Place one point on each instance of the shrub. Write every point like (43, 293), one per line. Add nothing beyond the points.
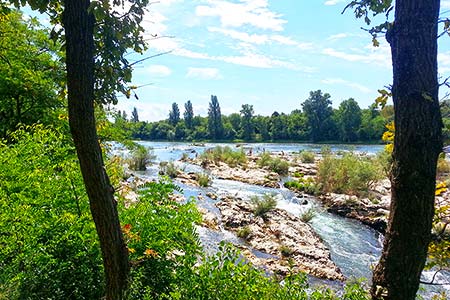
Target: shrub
(226, 155)
(349, 174)
(307, 157)
(264, 204)
(285, 251)
(161, 238)
(443, 166)
(140, 157)
(49, 246)
(203, 180)
(244, 232)
(168, 169)
(275, 164)
(307, 185)
(308, 215)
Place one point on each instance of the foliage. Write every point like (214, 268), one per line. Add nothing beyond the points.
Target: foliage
(244, 232)
(275, 164)
(31, 74)
(161, 239)
(168, 169)
(49, 246)
(350, 174)
(134, 115)
(443, 166)
(349, 120)
(388, 137)
(308, 215)
(174, 115)
(225, 154)
(307, 157)
(302, 184)
(285, 251)
(203, 180)
(318, 111)
(140, 158)
(215, 125)
(246, 121)
(188, 114)
(264, 204)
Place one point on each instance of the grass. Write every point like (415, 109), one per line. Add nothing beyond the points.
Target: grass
(308, 215)
(264, 204)
(244, 232)
(350, 174)
(225, 154)
(274, 164)
(203, 180)
(140, 158)
(285, 251)
(307, 157)
(307, 185)
(168, 168)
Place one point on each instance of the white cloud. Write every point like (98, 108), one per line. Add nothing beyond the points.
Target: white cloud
(350, 84)
(333, 2)
(370, 55)
(247, 12)
(159, 70)
(444, 62)
(445, 4)
(203, 73)
(260, 39)
(337, 36)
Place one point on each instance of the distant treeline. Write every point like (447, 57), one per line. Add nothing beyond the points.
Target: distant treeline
(316, 121)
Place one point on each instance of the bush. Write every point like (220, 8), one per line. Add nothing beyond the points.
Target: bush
(307, 157)
(226, 155)
(307, 185)
(285, 251)
(350, 174)
(168, 169)
(49, 246)
(161, 238)
(275, 164)
(203, 180)
(244, 232)
(264, 204)
(140, 158)
(443, 166)
(308, 215)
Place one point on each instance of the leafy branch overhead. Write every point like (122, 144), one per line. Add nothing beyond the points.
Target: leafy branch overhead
(118, 28)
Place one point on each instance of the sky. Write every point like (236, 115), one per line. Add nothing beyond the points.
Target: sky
(267, 53)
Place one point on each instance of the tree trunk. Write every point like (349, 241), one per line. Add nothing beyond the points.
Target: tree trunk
(417, 144)
(79, 27)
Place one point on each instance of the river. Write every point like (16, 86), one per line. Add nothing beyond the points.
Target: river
(354, 247)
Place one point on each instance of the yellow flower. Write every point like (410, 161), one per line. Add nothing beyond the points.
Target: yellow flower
(150, 252)
(131, 250)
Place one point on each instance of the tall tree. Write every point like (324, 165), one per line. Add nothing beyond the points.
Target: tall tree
(134, 115)
(318, 111)
(417, 144)
(174, 115)
(247, 121)
(215, 125)
(188, 114)
(349, 120)
(96, 69)
(30, 73)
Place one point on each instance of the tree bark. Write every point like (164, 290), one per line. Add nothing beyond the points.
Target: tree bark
(417, 144)
(78, 23)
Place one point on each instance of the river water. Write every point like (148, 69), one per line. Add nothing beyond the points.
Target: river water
(354, 247)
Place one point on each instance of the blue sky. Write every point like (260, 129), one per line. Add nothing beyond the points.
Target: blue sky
(268, 53)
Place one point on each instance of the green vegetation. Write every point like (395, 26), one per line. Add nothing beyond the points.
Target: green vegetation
(244, 232)
(350, 174)
(264, 204)
(225, 154)
(168, 169)
(275, 164)
(308, 215)
(203, 179)
(285, 251)
(317, 122)
(307, 157)
(307, 185)
(140, 158)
